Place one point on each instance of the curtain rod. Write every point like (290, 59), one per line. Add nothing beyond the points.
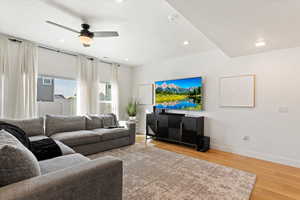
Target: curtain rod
(59, 51)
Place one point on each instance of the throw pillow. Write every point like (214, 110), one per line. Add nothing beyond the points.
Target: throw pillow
(17, 162)
(17, 132)
(94, 122)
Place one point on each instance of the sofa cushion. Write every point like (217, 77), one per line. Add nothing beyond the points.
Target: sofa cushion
(100, 121)
(64, 148)
(94, 122)
(62, 162)
(17, 163)
(114, 133)
(57, 124)
(77, 137)
(31, 127)
(109, 120)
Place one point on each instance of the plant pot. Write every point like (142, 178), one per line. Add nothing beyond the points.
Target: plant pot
(132, 118)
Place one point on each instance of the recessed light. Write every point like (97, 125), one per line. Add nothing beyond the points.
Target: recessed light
(185, 43)
(260, 44)
(62, 40)
(127, 59)
(119, 1)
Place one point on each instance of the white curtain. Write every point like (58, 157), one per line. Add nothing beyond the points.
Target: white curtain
(3, 66)
(88, 86)
(26, 105)
(115, 90)
(19, 80)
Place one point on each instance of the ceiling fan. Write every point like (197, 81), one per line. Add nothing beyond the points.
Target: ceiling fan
(86, 36)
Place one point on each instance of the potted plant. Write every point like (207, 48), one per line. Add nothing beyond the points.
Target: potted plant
(132, 110)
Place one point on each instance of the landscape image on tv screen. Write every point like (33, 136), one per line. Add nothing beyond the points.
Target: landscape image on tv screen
(179, 94)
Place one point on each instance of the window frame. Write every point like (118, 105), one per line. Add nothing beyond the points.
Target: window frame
(105, 101)
(58, 77)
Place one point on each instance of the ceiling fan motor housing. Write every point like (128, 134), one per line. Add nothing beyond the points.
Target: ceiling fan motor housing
(85, 31)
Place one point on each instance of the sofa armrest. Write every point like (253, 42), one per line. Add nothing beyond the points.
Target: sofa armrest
(96, 179)
(131, 126)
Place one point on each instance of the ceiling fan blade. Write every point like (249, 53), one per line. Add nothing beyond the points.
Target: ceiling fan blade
(61, 26)
(106, 34)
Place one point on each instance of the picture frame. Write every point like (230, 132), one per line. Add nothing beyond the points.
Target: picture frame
(237, 91)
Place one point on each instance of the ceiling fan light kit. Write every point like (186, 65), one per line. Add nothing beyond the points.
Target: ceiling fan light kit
(86, 41)
(86, 36)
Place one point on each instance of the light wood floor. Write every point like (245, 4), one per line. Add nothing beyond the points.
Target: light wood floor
(274, 181)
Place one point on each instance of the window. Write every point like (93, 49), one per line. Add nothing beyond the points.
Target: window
(105, 97)
(56, 96)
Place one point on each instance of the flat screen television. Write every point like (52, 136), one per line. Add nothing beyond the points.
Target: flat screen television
(179, 94)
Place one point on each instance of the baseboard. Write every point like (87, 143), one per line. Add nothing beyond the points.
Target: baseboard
(252, 154)
(258, 155)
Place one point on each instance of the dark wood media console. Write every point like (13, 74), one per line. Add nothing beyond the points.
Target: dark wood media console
(177, 128)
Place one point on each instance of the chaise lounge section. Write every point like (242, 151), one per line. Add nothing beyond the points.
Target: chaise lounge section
(70, 177)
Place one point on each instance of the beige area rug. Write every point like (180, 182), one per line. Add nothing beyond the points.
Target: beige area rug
(151, 173)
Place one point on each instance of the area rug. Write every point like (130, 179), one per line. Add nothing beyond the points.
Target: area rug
(151, 173)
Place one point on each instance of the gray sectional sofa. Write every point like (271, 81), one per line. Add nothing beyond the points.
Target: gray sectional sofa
(84, 134)
(71, 176)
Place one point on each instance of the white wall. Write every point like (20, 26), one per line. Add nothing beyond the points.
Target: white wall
(273, 135)
(62, 65)
(125, 89)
